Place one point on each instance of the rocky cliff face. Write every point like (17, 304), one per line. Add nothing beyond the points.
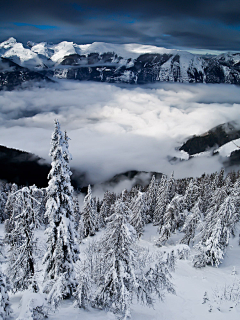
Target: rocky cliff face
(133, 64)
(214, 138)
(12, 75)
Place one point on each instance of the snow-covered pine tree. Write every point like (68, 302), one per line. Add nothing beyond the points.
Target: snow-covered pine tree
(76, 213)
(160, 202)
(83, 294)
(171, 261)
(117, 282)
(170, 220)
(59, 276)
(191, 194)
(151, 199)
(20, 259)
(109, 199)
(206, 192)
(3, 201)
(5, 309)
(89, 214)
(163, 200)
(219, 225)
(139, 211)
(193, 219)
(38, 204)
(10, 209)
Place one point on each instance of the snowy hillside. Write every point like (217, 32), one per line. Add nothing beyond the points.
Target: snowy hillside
(190, 285)
(135, 254)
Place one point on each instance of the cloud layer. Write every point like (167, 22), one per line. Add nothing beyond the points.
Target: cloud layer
(118, 128)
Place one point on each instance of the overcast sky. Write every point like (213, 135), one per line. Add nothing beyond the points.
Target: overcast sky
(185, 24)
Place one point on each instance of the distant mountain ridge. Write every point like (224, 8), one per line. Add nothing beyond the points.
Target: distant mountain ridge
(129, 63)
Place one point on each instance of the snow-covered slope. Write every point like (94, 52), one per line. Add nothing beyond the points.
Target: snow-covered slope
(128, 63)
(190, 284)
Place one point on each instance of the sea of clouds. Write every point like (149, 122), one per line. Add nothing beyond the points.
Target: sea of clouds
(118, 128)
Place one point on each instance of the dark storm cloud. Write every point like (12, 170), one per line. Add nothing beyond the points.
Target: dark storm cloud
(183, 24)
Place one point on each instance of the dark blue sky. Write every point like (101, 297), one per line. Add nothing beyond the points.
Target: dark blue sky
(206, 24)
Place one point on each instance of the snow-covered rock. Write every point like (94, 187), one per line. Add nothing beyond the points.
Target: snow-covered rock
(126, 63)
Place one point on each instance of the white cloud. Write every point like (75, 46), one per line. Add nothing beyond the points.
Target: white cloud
(118, 128)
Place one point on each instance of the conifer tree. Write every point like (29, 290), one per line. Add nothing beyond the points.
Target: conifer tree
(139, 211)
(193, 219)
(10, 209)
(170, 220)
(151, 199)
(21, 240)
(219, 225)
(59, 277)
(5, 309)
(3, 201)
(76, 213)
(118, 281)
(164, 200)
(89, 214)
(160, 202)
(106, 210)
(191, 194)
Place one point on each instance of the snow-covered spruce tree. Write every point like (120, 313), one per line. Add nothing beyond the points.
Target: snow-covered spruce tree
(160, 202)
(117, 282)
(219, 225)
(3, 201)
(156, 281)
(139, 211)
(87, 270)
(20, 238)
(5, 309)
(38, 204)
(151, 199)
(170, 220)
(59, 276)
(109, 199)
(192, 221)
(191, 194)
(163, 200)
(89, 214)
(76, 213)
(10, 209)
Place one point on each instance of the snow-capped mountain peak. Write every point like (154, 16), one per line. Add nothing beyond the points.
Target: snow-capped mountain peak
(128, 63)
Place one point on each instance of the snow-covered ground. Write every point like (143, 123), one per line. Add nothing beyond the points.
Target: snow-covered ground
(190, 285)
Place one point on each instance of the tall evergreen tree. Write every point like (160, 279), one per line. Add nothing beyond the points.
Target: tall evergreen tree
(76, 213)
(193, 219)
(21, 240)
(191, 194)
(59, 277)
(89, 214)
(118, 281)
(106, 210)
(5, 309)
(170, 220)
(139, 211)
(160, 202)
(10, 210)
(151, 199)
(219, 225)
(163, 200)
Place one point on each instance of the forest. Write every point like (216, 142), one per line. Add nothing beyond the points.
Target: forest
(114, 271)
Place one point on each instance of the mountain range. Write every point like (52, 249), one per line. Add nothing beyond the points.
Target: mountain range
(104, 62)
